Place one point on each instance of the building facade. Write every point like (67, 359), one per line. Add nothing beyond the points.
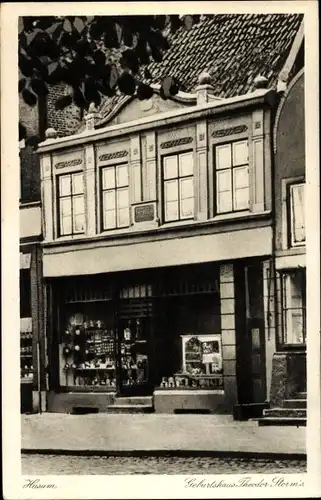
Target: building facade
(157, 251)
(31, 289)
(289, 365)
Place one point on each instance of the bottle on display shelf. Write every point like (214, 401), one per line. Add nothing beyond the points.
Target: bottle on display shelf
(66, 350)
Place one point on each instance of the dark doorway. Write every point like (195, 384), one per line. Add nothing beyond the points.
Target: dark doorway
(250, 333)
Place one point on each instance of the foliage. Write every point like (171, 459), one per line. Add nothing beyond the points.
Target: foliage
(95, 56)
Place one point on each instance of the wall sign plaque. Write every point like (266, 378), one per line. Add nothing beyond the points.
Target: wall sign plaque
(144, 213)
(229, 131)
(176, 142)
(69, 163)
(113, 156)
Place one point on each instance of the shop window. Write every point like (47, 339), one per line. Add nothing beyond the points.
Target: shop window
(115, 197)
(178, 187)
(297, 214)
(294, 307)
(71, 204)
(189, 347)
(232, 177)
(87, 346)
(26, 368)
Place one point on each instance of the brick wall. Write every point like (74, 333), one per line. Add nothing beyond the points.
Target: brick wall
(67, 121)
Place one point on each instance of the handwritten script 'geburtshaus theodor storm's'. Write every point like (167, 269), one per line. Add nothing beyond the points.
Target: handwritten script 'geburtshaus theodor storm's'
(248, 481)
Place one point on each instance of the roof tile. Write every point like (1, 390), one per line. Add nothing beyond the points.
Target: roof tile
(233, 48)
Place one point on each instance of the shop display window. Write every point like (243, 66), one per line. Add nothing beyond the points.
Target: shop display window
(26, 365)
(133, 352)
(87, 353)
(202, 365)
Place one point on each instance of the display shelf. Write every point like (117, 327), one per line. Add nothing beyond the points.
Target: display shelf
(93, 369)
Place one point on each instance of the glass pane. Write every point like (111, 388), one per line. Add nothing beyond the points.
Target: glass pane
(170, 167)
(223, 156)
(65, 225)
(298, 218)
(241, 199)
(77, 183)
(64, 185)
(187, 188)
(171, 210)
(223, 181)
(109, 219)
(109, 200)
(122, 198)
(108, 178)
(65, 207)
(240, 153)
(186, 164)
(78, 205)
(171, 191)
(224, 202)
(187, 208)
(241, 177)
(79, 223)
(122, 217)
(297, 327)
(122, 175)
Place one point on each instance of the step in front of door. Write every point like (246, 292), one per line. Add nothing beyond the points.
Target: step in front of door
(134, 400)
(282, 421)
(300, 395)
(295, 403)
(129, 408)
(285, 412)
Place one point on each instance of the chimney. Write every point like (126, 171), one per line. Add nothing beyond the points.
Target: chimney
(204, 90)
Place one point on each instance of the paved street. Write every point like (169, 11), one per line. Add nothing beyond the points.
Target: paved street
(105, 433)
(55, 465)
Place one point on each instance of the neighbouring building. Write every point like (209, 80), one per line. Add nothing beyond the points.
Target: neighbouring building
(31, 303)
(158, 242)
(290, 252)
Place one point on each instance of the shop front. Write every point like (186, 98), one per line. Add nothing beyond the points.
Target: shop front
(180, 335)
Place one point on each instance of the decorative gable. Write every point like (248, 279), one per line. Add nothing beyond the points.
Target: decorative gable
(130, 108)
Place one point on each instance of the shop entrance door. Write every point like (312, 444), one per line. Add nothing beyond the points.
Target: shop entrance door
(255, 332)
(134, 350)
(249, 317)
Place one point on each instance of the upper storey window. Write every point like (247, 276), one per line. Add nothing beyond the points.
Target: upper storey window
(71, 204)
(297, 214)
(115, 197)
(178, 186)
(232, 177)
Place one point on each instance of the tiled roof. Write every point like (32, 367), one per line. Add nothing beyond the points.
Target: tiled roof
(234, 49)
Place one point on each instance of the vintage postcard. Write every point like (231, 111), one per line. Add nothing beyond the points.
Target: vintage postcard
(161, 250)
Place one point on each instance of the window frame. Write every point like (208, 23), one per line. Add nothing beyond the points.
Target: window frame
(70, 196)
(231, 170)
(115, 189)
(284, 276)
(290, 218)
(178, 178)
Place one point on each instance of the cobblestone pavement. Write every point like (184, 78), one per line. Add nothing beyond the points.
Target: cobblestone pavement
(64, 465)
(108, 432)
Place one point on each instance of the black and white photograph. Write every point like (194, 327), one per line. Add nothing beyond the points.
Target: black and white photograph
(166, 213)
